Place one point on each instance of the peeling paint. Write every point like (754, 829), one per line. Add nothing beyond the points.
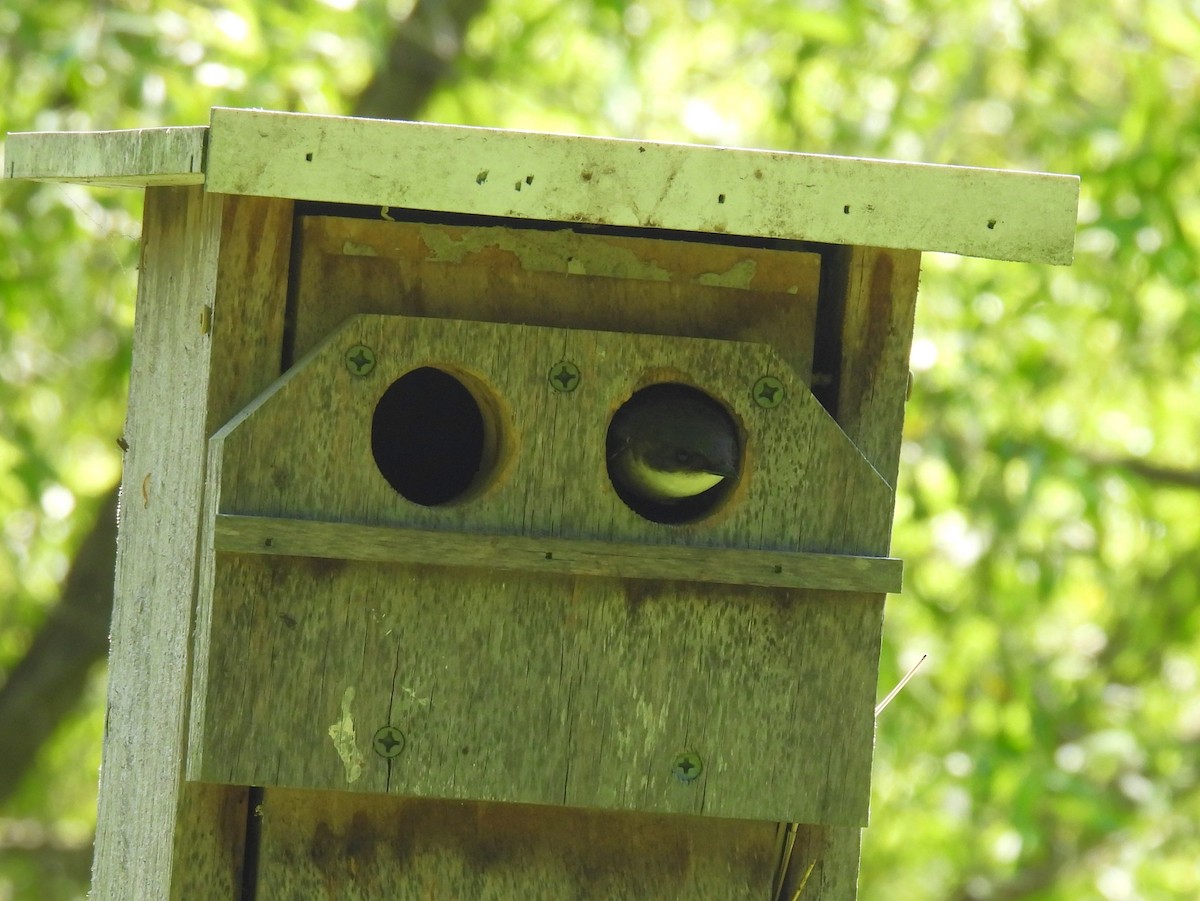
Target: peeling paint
(355, 249)
(562, 251)
(739, 275)
(342, 733)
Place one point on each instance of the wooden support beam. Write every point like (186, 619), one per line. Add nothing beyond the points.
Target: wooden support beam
(132, 158)
(556, 556)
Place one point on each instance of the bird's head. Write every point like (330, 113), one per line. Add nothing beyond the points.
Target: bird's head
(671, 442)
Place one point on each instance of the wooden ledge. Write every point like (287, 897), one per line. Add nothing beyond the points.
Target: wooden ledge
(555, 556)
(131, 158)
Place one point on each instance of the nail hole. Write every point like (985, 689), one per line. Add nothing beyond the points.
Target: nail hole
(528, 179)
(846, 209)
(778, 568)
(720, 198)
(481, 177)
(991, 223)
(308, 157)
(549, 555)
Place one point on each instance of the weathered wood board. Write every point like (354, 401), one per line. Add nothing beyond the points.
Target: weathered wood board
(132, 158)
(556, 277)
(336, 846)
(578, 692)
(547, 555)
(1028, 216)
(303, 449)
(158, 835)
(716, 190)
(764, 678)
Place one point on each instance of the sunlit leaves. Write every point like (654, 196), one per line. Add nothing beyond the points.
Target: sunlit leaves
(1046, 749)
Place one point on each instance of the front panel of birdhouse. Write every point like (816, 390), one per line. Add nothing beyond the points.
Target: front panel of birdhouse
(506, 627)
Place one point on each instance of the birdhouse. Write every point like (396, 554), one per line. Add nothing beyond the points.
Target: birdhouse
(508, 514)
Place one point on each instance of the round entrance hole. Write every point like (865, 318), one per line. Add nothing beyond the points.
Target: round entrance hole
(674, 453)
(431, 437)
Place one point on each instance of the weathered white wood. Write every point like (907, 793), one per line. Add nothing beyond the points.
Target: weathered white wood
(135, 158)
(210, 294)
(143, 801)
(976, 212)
(557, 556)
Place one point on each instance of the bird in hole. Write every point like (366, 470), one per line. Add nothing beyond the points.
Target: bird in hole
(671, 442)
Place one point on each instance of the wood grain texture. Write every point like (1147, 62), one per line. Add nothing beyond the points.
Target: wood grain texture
(303, 449)
(553, 556)
(556, 278)
(880, 305)
(977, 212)
(141, 790)
(870, 299)
(778, 684)
(158, 836)
(132, 158)
(350, 847)
(578, 692)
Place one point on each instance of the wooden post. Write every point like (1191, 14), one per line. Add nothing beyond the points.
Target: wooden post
(323, 685)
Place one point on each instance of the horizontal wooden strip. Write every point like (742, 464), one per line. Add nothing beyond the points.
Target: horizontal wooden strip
(977, 212)
(136, 157)
(557, 556)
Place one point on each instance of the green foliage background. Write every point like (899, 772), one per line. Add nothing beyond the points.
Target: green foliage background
(1049, 507)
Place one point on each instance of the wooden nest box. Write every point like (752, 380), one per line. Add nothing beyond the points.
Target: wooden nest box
(385, 627)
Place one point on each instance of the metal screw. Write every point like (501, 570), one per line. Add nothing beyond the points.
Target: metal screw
(768, 392)
(360, 359)
(564, 376)
(388, 742)
(687, 766)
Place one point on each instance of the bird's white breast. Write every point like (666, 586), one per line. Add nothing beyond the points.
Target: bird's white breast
(660, 485)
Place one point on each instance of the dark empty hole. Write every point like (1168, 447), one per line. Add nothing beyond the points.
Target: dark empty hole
(308, 157)
(720, 198)
(528, 179)
(428, 437)
(846, 209)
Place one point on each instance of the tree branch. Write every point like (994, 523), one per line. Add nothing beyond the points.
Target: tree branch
(49, 679)
(421, 56)
(1151, 472)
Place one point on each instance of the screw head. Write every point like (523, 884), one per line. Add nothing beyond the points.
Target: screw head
(360, 360)
(687, 767)
(388, 742)
(768, 392)
(564, 376)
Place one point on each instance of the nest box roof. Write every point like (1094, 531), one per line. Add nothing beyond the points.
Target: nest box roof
(991, 213)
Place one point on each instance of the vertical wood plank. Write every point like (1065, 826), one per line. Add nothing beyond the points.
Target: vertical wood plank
(880, 295)
(206, 260)
(141, 789)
